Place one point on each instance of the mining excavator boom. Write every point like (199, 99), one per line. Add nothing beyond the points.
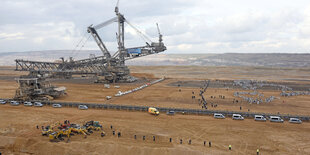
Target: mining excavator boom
(112, 67)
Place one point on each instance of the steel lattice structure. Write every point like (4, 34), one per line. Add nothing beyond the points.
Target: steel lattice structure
(112, 67)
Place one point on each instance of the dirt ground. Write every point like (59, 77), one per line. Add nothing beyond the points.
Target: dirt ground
(18, 134)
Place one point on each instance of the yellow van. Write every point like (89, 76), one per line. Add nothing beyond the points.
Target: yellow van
(153, 111)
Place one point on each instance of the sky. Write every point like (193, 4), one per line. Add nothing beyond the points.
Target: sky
(188, 26)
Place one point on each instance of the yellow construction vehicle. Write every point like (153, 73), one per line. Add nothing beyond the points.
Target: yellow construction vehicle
(66, 130)
(46, 131)
(97, 126)
(67, 133)
(80, 131)
(93, 125)
(56, 136)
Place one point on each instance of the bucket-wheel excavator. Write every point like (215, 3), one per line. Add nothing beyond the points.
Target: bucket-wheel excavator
(111, 67)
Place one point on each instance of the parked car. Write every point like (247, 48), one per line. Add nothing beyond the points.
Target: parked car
(27, 104)
(57, 106)
(220, 116)
(170, 113)
(2, 102)
(259, 118)
(14, 103)
(295, 120)
(276, 119)
(83, 107)
(237, 117)
(38, 104)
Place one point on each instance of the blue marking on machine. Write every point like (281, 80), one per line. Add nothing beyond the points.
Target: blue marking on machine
(134, 51)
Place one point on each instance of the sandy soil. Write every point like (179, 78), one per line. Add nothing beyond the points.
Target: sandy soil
(19, 136)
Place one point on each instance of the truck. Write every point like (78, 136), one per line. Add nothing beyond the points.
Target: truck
(153, 111)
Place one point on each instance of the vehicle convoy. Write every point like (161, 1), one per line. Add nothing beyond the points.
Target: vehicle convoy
(259, 118)
(220, 116)
(153, 111)
(295, 120)
(276, 119)
(237, 117)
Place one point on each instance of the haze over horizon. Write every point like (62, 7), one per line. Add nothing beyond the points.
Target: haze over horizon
(189, 27)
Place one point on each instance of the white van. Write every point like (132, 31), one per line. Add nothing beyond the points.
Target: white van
(27, 104)
(83, 107)
(220, 116)
(57, 106)
(14, 103)
(237, 117)
(259, 118)
(38, 104)
(2, 102)
(276, 119)
(295, 120)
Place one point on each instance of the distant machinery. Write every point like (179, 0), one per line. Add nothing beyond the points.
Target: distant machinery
(37, 89)
(111, 67)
